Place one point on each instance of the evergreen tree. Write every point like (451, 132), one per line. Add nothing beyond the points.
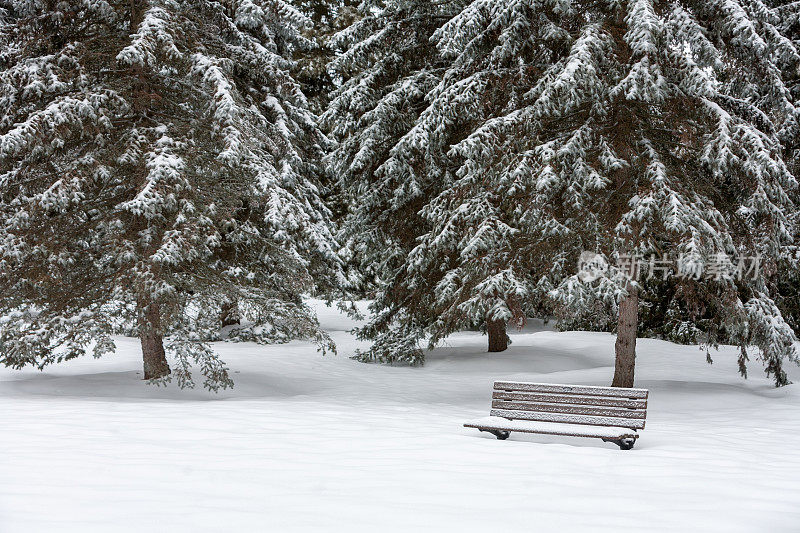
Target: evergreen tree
(387, 66)
(787, 278)
(627, 128)
(157, 160)
(646, 127)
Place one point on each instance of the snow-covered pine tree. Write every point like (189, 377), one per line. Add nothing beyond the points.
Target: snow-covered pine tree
(664, 314)
(643, 127)
(787, 278)
(620, 127)
(157, 159)
(386, 66)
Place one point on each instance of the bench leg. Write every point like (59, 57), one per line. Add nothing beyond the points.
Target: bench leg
(501, 435)
(624, 444)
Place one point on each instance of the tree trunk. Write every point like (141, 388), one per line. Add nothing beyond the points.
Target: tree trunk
(626, 339)
(152, 339)
(498, 338)
(136, 15)
(229, 313)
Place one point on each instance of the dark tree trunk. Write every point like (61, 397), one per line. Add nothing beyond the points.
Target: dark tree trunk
(152, 339)
(136, 15)
(229, 313)
(626, 339)
(498, 338)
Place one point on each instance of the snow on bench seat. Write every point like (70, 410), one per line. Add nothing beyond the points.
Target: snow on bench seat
(551, 428)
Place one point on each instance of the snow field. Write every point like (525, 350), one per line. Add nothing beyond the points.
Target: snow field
(312, 443)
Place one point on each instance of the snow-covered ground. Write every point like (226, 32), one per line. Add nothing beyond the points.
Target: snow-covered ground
(312, 443)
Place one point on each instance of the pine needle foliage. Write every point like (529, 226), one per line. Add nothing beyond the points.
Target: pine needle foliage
(156, 157)
(622, 127)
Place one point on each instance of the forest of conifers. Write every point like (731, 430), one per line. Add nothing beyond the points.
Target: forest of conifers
(193, 171)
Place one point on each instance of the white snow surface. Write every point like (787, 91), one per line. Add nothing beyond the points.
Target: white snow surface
(306, 442)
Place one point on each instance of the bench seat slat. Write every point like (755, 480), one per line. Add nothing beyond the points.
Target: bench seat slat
(570, 399)
(513, 386)
(548, 428)
(569, 409)
(588, 420)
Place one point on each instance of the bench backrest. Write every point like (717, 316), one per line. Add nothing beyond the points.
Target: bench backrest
(570, 404)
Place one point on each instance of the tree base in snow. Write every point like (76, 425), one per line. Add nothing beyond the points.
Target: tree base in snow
(625, 347)
(153, 357)
(498, 338)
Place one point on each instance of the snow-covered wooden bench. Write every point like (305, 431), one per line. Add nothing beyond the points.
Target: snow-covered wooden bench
(609, 413)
